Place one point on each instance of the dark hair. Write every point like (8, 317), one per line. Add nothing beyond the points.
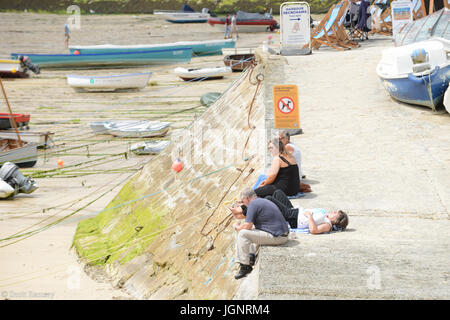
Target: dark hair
(285, 133)
(341, 221)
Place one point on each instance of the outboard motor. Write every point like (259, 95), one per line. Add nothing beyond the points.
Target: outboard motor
(10, 174)
(26, 63)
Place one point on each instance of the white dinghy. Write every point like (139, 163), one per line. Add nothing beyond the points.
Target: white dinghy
(150, 147)
(131, 128)
(112, 82)
(198, 74)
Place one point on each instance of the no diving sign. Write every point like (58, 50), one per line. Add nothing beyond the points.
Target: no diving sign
(285, 107)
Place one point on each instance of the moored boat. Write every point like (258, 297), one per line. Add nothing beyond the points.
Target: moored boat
(150, 147)
(21, 153)
(22, 120)
(121, 81)
(447, 99)
(147, 57)
(41, 139)
(199, 48)
(185, 15)
(229, 51)
(249, 22)
(17, 68)
(143, 129)
(199, 74)
(131, 128)
(238, 62)
(24, 156)
(13, 69)
(417, 73)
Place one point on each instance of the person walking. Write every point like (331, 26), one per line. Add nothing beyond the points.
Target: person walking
(227, 27)
(66, 35)
(264, 225)
(234, 29)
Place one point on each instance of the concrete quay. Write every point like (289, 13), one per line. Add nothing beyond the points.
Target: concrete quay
(387, 165)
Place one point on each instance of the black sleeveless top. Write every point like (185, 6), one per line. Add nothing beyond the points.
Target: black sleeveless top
(288, 179)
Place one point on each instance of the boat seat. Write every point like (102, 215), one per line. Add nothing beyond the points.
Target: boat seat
(421, 67)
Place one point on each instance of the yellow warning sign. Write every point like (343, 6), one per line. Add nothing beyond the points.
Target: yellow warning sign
(285, 106)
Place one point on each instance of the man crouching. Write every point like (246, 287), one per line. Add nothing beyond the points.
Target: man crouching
(264, 225)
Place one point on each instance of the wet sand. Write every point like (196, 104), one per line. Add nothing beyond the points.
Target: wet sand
(39, 263)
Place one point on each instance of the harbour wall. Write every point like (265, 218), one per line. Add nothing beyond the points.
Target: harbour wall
(169, 235)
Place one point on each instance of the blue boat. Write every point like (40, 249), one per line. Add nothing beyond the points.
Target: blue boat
(418, 73)
(199, 48)
(144, 57)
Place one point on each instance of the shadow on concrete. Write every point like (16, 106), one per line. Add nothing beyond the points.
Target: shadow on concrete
(309, 195)
(291, 243)
(309, 181)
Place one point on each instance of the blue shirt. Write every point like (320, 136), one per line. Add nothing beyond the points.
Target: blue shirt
(266, 216)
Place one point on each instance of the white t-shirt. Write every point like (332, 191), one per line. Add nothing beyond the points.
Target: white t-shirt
(298, 158)
(319, 216)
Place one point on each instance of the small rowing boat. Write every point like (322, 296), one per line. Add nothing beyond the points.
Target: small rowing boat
(150, 147)
(120, 81)
(199, 48)
(131, 128)
(199, 74)
(77, 59)
(238, 62)
(22, 153)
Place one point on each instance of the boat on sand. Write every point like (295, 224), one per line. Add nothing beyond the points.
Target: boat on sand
(150, 147)
(417, 73)
(119, 81)
(131, 128)
(198, 74)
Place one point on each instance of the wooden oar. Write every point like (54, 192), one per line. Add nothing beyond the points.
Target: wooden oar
(13, 121)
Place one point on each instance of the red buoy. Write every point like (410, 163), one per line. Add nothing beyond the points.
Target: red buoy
(177, 165)
(76, 52)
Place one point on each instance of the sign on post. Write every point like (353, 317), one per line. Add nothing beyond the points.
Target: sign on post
(401, 14)
(295, 28)
(285, 107)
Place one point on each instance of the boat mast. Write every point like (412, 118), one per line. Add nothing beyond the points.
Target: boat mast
(13, 121)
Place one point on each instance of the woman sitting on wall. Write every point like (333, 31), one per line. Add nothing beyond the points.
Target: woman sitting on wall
(283, 173)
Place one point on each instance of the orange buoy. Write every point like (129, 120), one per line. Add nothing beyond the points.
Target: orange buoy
(177, 165)
(60, 163)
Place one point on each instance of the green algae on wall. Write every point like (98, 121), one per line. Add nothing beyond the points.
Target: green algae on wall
(113, 236)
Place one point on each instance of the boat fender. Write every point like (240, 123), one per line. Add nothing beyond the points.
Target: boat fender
(5, 190)
(177, 165)
(425, 78)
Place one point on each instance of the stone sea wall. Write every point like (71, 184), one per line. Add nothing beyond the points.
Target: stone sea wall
(169, 235)
(147, 6)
